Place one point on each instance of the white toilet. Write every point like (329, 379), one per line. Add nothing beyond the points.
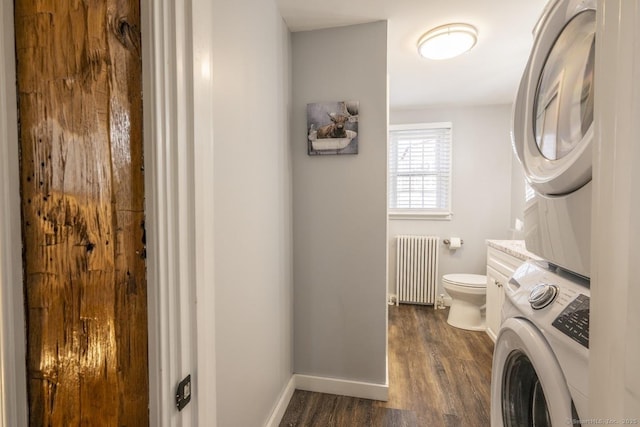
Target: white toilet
(468, 294)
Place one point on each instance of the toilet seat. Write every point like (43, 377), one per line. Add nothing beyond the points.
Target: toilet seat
(466, 280)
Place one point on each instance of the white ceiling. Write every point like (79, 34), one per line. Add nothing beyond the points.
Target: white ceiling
(488, 74)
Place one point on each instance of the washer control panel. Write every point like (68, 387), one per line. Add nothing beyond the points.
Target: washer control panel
(573, 321)
(553, 299)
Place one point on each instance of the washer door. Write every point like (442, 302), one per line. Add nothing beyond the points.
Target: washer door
(553, 116)
(528, 388)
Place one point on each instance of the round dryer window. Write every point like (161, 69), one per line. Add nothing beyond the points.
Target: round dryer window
(564, 98)
(553, 113)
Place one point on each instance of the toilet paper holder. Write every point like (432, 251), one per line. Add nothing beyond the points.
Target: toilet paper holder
(448, 242)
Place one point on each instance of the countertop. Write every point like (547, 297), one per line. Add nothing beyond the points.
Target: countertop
(514, 248)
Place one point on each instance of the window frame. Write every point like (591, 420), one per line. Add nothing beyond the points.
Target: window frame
(420, 213)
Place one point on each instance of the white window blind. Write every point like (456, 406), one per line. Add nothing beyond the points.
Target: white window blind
(420, 168)
(529, 193)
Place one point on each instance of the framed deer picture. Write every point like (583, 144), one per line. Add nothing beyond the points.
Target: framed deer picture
(332, 128)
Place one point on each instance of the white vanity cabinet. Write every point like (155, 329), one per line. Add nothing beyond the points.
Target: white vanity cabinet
(503, 258)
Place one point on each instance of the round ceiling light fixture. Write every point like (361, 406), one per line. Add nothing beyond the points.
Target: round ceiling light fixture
(447, 41)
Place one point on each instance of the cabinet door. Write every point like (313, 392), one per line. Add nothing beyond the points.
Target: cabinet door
(495, 299)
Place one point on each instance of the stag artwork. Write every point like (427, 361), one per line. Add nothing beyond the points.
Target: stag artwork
(336, 129)
(332, 127)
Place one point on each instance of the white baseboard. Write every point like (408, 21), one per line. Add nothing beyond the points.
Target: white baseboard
(492, 335)
(325, 385)
(343, 387)
(281, 405)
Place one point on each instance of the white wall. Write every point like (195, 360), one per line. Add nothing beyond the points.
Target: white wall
(481, 186)
(253, 212)
(340, 208)
(614, 368)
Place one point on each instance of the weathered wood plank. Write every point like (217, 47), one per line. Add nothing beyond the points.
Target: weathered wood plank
(80, 105)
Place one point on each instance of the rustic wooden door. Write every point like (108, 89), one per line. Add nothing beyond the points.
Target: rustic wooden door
(81, 171)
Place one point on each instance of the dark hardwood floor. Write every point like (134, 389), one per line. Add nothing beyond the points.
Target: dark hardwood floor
(438, 376)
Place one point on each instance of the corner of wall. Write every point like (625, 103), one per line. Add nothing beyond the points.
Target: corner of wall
(340, 208)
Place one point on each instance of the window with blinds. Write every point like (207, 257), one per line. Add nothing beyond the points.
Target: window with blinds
(420, 169)
(529, 193)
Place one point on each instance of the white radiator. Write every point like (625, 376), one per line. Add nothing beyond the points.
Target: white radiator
(416, 269)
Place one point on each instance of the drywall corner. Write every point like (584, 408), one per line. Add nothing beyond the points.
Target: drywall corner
(339, 207)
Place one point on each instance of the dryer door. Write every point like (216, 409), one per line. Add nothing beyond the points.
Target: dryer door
(553, 115)
(528, 388)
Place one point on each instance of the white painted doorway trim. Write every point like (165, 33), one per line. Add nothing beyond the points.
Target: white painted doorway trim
(13, 384)
(178, 178)
(178, 107)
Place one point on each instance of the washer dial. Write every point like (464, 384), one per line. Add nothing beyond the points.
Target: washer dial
(542, 295)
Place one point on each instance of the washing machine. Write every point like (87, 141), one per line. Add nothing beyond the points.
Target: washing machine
(540, 361)
(552, 133)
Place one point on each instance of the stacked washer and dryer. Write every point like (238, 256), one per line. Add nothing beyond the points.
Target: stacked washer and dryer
(540, 364)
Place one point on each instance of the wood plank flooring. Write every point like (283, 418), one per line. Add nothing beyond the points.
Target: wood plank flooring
(438, 376)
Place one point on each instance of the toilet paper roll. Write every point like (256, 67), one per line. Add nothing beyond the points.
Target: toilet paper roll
(454, 242)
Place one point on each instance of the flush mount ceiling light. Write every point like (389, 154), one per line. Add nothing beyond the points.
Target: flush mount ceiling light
(447, 41)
